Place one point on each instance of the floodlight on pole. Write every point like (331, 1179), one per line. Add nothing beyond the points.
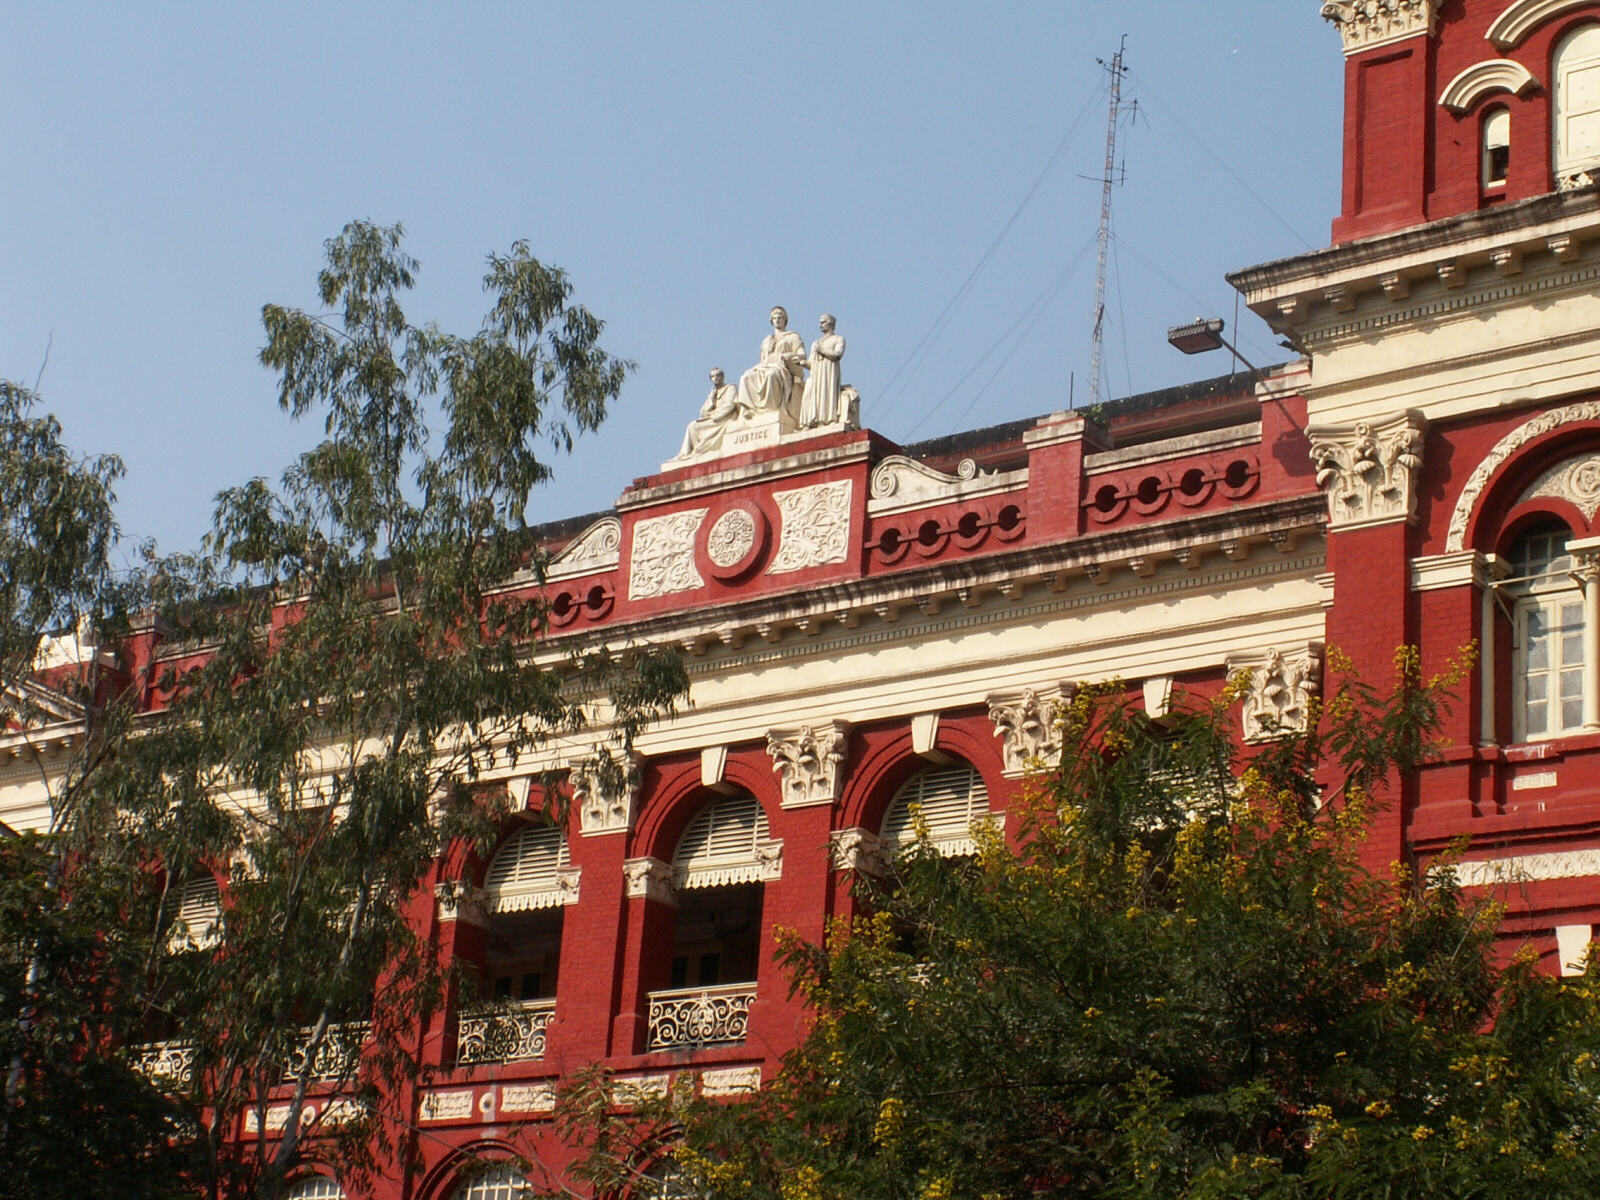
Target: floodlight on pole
(1203, 334)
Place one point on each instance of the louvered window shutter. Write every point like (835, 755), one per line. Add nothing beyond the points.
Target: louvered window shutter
(950, 798)
(525, 873)
(199, 914)
(722, 844)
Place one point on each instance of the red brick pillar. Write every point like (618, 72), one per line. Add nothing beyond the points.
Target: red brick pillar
(1369, 470)
(586, 986)
(650, 919)
(795, 904)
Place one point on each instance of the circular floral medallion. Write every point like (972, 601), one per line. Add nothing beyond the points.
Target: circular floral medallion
(732, 538)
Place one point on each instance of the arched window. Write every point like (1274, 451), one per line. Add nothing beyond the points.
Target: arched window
(1496, 147)
(495, 1181)
(315, 1187)
(525, 872)
(951, 799)
(723, 845)
(1546, 607)
(1576, 107)
(199, 916)
(525, 890)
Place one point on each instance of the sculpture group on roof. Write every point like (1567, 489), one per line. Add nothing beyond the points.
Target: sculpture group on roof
(777, 395)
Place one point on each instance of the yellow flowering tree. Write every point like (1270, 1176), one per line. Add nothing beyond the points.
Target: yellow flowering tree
(1184, 986)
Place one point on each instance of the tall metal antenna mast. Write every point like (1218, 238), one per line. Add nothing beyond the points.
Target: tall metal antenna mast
(1116, 70)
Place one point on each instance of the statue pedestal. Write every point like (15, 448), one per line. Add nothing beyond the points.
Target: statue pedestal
(754, 434)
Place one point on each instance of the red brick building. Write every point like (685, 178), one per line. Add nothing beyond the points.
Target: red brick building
(868, 625)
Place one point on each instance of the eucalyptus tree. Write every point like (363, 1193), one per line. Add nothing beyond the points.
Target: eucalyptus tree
(1183, 985)
(356, 653)
(75, 1110)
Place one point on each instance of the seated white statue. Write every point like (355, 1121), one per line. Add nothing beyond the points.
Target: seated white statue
(722, 408)
(771, 385)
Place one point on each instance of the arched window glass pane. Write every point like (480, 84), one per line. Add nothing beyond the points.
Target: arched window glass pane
(1496, 147)
(315, 1187)
(1547, 617)
(497, 1181)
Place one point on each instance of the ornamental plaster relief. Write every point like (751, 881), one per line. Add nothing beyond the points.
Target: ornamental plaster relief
(899, 483)
(1528, 868)
(603, 792)
(662, 563)
(1478, 481)
(1364, 24)
(1369, 469)
(1577, 481)
(816, 527)
(732, 537)
(1028, 723)
(649, 879)
(598, 548)
(855, 849)
(1282, 687)
(809, 762)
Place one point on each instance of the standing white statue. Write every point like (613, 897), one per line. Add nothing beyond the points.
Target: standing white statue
(721, 409)
(819, 403)
(771, 384)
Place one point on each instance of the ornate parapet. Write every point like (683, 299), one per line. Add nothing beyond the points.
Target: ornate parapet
(700, 1016)
(169, 1066)
(509, 1032)
(1363, 24)
(855, 849)
(1028, 724)
(603, 791)
(1283, 685)
(598, 548)
(1368, 470)
(809, 762)
(649, 879)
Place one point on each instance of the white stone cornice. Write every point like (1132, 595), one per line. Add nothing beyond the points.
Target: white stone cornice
(1028, 722)
(604, 794)
(1365, 24)
(809, 762)
(649, 879)
(1283, 684)
(1454, 569)
(1483, 473)
(1522, 17)
(1369, 469)
(1483, 78)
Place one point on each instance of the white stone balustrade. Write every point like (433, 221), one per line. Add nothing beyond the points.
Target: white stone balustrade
(511, 1031)
(700, 1016)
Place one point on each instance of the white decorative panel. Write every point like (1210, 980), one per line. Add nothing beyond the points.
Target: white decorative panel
(663, 555)
(816, 527)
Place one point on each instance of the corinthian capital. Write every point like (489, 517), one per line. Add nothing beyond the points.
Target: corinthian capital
(602, 789)
(1363, 24)
(809, 762)
(1369, 469)
(1028, 724)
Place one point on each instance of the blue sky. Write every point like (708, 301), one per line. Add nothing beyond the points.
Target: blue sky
(175, 166)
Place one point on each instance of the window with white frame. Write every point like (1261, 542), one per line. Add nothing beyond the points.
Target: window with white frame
(199, 917)
(1496, 147)
(494, 1181)
(315, 1187)
(721, 863)
(525, 903)
(1545, 604)
(1576, 71)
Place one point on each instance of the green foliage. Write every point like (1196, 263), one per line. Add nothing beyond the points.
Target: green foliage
(339, 671)
(1184, 985)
